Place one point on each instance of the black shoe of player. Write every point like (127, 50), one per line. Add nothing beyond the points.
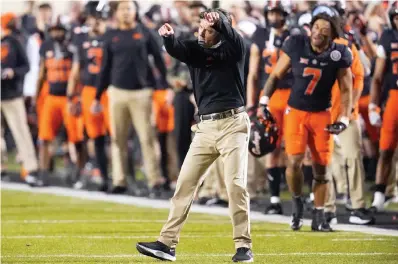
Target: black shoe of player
(361, 216)
(331, 218)
(243, 255)
(155, 191)
(204, 200)
(217, 202)
(274, 209)
(118, 190)
(298, 208)
(319, 222)
(156, 250)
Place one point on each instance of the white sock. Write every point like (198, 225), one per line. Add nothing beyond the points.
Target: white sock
(275, 199)
(379, 199)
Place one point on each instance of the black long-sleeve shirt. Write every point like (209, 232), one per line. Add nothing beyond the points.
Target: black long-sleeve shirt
(13, 56)
(125, 59)
(217, 73)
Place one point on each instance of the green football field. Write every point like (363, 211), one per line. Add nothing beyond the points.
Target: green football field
(45, 228)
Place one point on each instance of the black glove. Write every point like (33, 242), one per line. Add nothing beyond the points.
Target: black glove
(336, 128)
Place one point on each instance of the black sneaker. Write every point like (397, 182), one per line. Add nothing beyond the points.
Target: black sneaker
(156, 250)
(155, 192)
(361, 216)
(274, 209)
(217, 202)
(319, 222)
(297, 220)
(243, 255)
(118, 190)
(203, 200)
(331, 218)
(33, 180)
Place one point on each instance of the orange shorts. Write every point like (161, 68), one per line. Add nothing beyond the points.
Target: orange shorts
(305, 128)
(45, 90)
(277, 106)
(372, 131)
(95, 124)
(389, 128)
(164, 114)
(55, 112)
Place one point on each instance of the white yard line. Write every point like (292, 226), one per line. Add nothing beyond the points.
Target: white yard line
(86, 221)
(161, 204)
(362, 239)
(348, 254)
(130, 237)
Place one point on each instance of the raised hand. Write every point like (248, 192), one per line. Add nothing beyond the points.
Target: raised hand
(166, 30)
(212, 18)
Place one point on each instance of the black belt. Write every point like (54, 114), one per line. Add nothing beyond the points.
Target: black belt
(222, 115)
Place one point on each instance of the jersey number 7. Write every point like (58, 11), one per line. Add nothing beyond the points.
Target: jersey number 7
(316, 75)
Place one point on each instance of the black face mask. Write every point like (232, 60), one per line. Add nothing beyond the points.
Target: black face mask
(277, 25)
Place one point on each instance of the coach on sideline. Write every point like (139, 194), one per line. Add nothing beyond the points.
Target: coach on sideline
(216, 62)
(125, 68)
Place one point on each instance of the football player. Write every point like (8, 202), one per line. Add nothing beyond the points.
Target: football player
(85, 69)
(316, 62)
(55, 65)
(386, 68)
(264, 53)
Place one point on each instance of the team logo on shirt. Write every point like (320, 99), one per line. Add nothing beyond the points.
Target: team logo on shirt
(49, 54)
(394, 45)
(335, 55)
(86, 44)
(137, 36)
(304, 61)
(314, 61)
(4, 51)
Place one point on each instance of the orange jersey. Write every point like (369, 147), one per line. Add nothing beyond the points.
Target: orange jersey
(358, 82)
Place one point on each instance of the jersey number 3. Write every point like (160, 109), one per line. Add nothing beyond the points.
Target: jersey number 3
(316, 75)
(96, 55)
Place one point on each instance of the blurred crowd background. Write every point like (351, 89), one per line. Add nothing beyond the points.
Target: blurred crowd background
(173, 112)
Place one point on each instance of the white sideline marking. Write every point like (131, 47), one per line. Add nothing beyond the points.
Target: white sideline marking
(362, 239)
(76, 221)
(209, 255)
(131, 237)
(161, 204)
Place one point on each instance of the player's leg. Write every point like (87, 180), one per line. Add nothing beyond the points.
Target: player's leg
(119, 121)
(200, 156)
(75, 130)
(388, 143)
(277, 105)
(96, 130)
(296, 136)
(373, 133)
(50, 122)
(15, 114)
(321, 145)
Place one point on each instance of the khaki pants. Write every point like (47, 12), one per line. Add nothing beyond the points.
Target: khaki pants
(125, 105)
(348, 153)
(214, 182)
(15, 115)
(256, 175)
(226, 138)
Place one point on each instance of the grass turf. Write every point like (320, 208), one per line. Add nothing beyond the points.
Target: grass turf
(41, 228)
